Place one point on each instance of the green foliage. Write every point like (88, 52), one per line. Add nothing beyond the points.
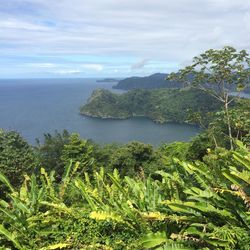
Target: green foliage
(134, 158)
(216, 134)
(50, 151)
(131, 159)
(60, 149)
(78, 150)
(16, 157)
(240, 123)
(38, 216)
(175, 150)
(160, 105)
(219, 205)
(154, 239)
(217, 69)
(199, 146)
(192, 206)
(213, 72)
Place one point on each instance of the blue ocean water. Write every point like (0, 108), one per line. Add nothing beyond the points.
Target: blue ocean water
(37, 106)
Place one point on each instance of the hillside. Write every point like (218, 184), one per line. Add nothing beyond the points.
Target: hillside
(160, 105)
(157, 80)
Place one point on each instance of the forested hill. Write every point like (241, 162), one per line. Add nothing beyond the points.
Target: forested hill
(157, 80)
(154, 81)
(160, 105)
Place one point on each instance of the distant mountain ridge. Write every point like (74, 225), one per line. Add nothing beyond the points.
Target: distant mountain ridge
(157, 80)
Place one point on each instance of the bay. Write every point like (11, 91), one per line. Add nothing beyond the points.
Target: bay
(37, 106)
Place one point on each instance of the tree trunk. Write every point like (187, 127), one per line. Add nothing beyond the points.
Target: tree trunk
(238, 134)
(215, 141)
(228, 123)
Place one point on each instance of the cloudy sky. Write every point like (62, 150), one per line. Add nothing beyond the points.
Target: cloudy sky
(104, 38)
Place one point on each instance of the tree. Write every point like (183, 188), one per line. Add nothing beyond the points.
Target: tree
(215, 71)
(134, 158)
(50, 152)
(78, 150)
(16, 156)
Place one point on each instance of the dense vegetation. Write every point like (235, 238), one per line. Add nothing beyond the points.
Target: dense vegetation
(216, 72)
(70, 193)
(160, 105)
(126, 196)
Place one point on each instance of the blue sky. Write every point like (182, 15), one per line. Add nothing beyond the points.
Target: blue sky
(114, 38)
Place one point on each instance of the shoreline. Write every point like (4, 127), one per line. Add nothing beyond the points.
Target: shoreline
(135, 116)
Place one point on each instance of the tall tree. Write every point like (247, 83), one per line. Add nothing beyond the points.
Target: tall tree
(78, 150)
(215, 71)
(50, 151)
(16, 157)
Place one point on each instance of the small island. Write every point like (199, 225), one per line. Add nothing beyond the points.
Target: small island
(160, 105)
(107, 80)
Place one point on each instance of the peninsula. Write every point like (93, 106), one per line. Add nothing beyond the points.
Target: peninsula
(160, 105)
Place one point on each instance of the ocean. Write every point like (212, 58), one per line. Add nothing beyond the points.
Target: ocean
(37, 106)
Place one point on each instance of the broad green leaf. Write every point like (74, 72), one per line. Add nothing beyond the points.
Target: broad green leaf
(154, 239)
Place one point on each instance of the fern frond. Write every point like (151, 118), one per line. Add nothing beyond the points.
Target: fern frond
(9, 236)
(56, 246)
(103, 215)
(6, 182)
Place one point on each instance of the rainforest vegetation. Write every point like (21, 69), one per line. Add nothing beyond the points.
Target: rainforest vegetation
(70, 193)
(160, 105)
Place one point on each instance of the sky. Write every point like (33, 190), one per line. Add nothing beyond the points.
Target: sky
(114, 38)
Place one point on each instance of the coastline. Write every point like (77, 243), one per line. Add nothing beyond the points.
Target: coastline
(156, 121)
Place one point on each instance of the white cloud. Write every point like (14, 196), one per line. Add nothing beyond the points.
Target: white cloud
(41, 65)
(173, 31)
(95, 67)
(11, 24)
(67, 72)
(140, 64)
